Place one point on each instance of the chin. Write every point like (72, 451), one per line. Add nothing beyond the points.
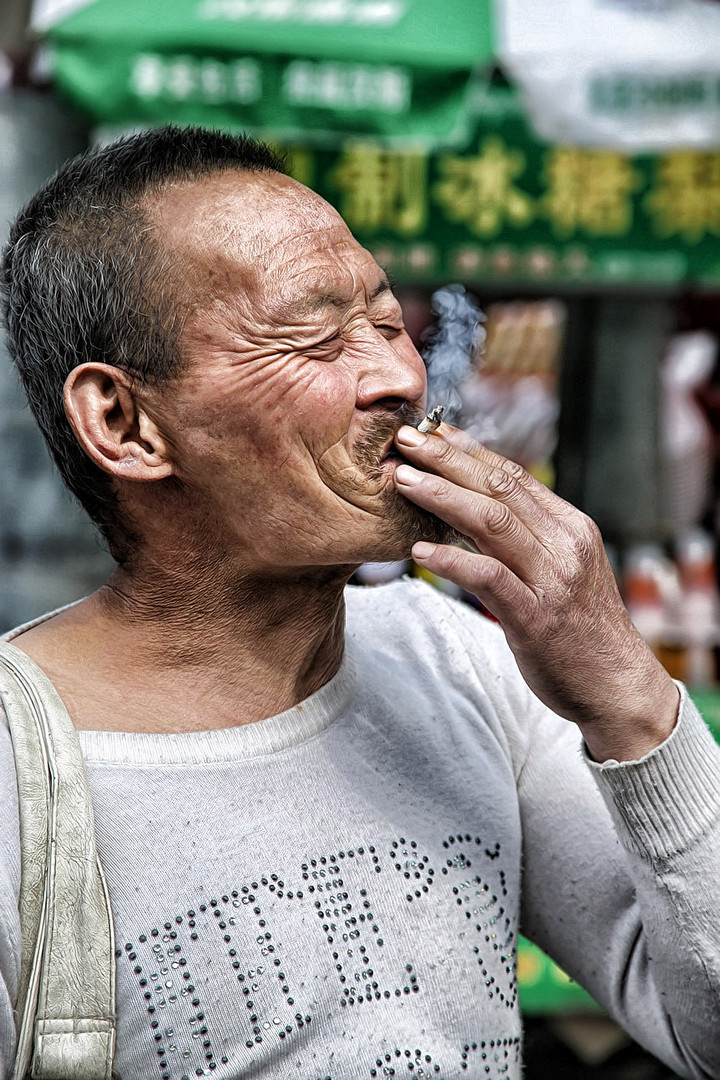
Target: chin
(404, 525)
(385, 534)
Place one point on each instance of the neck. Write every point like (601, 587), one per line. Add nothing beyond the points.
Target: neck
(270, 642)
(166, 650)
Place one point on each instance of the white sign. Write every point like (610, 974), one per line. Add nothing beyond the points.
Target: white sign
(45, 13)
(634, 75)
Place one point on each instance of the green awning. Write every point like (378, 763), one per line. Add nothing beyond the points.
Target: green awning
(401, 70)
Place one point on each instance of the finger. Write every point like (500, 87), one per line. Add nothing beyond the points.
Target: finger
(483, 472)
(512, 603)
(460, 441)
(491, 525)
(465, 442)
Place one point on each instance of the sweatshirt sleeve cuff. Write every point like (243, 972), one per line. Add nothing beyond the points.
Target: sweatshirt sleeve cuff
(663, 803)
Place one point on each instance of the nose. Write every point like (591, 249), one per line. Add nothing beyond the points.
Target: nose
(394, 374)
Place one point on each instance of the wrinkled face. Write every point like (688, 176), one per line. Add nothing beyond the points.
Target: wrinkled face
(300, 372)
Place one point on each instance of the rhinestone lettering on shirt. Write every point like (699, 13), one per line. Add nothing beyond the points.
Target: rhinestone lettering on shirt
(353, 899)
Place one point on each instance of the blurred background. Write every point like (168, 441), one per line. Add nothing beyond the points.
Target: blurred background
(558, 162)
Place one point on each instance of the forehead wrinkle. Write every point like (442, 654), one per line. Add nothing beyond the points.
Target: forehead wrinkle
(234, 261)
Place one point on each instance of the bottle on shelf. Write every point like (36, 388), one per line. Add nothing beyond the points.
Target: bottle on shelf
(699, 607)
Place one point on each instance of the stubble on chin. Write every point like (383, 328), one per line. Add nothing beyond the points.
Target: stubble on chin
(402, 522)
(405, 523)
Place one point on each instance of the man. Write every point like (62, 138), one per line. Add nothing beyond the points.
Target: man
(313, 805)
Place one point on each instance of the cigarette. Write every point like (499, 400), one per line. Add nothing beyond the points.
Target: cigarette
(431, 422)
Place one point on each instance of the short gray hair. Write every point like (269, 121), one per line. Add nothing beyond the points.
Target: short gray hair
(84, 279)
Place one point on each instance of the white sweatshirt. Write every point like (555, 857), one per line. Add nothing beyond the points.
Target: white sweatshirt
(336, 892)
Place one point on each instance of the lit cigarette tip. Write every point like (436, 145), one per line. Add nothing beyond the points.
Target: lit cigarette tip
(432, 421)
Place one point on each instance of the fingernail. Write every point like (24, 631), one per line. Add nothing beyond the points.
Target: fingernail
(405, 474)
(423, 550)
(410, 436)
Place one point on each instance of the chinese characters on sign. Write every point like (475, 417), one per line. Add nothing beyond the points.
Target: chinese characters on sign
(511, 207)
(176, 78)
(479, 190)
(380, 189)
(585, 190)
(686, 196)
(590, 190)
(347, 86)
(313, 12)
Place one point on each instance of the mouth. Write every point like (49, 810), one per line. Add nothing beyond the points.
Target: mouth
(391, 454)
(375, 449)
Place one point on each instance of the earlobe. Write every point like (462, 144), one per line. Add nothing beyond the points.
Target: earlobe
(112, 425)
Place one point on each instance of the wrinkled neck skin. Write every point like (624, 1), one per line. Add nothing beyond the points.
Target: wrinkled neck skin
(180, 641)
(254, 644)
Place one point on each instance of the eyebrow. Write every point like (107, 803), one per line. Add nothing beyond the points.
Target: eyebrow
(331, 299)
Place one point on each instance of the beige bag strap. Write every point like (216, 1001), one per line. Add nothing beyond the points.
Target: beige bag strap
(66, 1000)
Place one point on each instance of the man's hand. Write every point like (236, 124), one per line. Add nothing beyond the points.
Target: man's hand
(541, 569)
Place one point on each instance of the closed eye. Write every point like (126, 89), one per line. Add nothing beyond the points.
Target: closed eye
(389, 331)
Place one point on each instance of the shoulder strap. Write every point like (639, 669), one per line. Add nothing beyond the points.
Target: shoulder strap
(66, 1000)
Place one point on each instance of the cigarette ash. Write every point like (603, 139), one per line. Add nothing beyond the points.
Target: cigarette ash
(453, 344)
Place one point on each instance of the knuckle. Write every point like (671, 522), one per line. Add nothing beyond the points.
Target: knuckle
(500, 483)
(444, 451)
(436, 487)
(516, 471)
(493, 574)
(592, 530)
(499, 518)
(453, 557)
(583, 554)
(588, 539)
(450, 560)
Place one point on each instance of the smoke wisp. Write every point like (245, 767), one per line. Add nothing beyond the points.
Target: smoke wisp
(452, 346)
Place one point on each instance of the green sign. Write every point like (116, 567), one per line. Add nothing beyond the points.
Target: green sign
(383, 108)
(510, 207)
(545, 988)
(398, 69)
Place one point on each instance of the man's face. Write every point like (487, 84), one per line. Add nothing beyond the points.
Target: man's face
(300, 372)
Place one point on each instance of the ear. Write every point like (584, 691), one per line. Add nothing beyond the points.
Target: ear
(112, 426)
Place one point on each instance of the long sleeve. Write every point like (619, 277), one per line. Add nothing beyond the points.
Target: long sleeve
(621, 862)
(622, 882)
